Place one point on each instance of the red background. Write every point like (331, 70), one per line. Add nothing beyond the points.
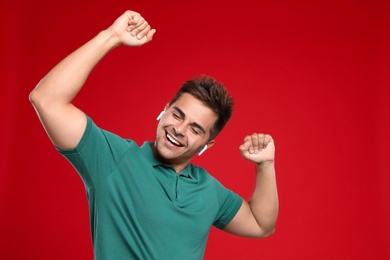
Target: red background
(314, 74)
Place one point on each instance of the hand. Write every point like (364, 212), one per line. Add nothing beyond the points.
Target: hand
(132, 29)
(258, 148)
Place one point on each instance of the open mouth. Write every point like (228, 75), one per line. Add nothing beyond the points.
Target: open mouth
(173, 141)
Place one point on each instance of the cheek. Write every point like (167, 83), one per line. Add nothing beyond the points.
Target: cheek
(196, 143)
(165, 122)
(162, 124)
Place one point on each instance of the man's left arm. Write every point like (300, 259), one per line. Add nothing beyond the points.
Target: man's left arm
(257, 217)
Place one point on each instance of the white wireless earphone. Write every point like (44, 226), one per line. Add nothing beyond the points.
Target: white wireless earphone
(160, 115)
(204, 149)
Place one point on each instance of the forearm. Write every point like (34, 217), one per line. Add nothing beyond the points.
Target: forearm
(63, 122)
(264, 201)
(66, 79)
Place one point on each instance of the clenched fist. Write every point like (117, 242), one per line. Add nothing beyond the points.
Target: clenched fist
(132, 29)
(258, 148)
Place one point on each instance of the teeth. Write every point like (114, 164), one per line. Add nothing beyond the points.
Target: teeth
(172, 140)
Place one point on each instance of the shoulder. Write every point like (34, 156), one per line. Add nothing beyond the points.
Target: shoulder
(203, 176)
(97, 140)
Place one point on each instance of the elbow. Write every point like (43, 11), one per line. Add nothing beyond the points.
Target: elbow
(265, 233)
(32, 97)
(38, 98)
(269, 233)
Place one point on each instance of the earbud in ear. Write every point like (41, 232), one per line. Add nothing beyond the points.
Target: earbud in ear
(160, 115)
(204, 149)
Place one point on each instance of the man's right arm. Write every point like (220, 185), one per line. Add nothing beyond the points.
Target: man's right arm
(63, 122)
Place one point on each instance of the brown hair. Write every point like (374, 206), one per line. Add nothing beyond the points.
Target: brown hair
(214, 95)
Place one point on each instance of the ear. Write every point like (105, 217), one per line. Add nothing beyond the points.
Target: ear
(203, 150)
(208, 145)
(162, 112)
(160, 115)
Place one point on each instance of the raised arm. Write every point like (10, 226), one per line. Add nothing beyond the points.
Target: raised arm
(52, 97)
(257, 218)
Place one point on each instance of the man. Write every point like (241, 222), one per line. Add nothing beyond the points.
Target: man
(149, 202)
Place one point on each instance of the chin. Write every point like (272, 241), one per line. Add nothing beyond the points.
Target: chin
(162, 152)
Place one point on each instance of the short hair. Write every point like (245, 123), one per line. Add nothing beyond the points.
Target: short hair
(214, 95)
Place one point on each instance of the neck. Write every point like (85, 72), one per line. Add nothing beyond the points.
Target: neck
(175, 163)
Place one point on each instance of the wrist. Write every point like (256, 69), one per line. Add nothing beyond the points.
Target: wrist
(265, 165)
(110, 39)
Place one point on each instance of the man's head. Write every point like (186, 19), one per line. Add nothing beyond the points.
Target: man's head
(214, 95)
(192, 119)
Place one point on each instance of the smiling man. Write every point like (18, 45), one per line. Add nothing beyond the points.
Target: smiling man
(185, 129)
(150, 202)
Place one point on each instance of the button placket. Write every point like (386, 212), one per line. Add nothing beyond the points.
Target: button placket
(177, 186)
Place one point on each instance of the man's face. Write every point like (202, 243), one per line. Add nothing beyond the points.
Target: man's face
(183, 131)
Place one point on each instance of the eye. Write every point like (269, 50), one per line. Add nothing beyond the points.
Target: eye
(195, 130)
(176, 115)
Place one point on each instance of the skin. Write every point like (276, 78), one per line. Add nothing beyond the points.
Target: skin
(188, 122)
(65, 123)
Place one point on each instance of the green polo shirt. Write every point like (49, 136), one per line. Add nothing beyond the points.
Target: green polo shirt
(139, 207)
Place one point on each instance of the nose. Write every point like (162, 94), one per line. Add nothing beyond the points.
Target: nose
(179, 130)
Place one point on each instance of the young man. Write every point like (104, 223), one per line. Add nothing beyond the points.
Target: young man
(149, 202)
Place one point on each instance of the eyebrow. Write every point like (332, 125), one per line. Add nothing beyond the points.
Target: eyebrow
(183, 115)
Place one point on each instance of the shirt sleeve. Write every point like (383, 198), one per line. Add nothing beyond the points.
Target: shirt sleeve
(230, 203)
(97, 154)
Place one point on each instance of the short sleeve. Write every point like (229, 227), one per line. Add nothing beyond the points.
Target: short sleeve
(230, 203)
(97, 154)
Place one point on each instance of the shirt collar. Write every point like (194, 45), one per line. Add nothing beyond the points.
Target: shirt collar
(147, 150)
